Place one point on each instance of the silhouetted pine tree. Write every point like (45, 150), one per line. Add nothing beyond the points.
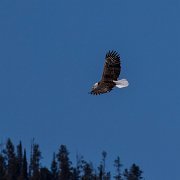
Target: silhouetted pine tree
(12, 172)
(117, 165)
(23, 173)
(104, 155)
(30, 164)
(64, 164)
(35, 162)
(100, 172)
(2, 167)
(105, 175)
(54, 168)
(78, 170)
(133, 174)
(19, 158)
(87, 171)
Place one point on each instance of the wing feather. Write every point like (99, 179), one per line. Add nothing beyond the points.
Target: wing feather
(102, 88)
(112, 67)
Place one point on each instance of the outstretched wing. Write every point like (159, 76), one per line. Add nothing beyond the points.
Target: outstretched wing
(102, 88)
(112, 67)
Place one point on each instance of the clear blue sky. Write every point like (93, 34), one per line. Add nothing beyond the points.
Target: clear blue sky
(52, 51)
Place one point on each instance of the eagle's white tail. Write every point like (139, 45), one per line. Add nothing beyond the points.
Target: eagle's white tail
(121, 83)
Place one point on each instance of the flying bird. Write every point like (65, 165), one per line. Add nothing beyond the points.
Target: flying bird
(109, 80)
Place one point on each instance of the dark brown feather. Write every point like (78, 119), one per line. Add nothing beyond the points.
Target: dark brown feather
(103, 87)
(112, 67)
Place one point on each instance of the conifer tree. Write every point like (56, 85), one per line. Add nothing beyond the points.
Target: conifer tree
(54, 168)
(19, 158)
(23, 173)
(64, 163)
(2, 167)
(100, 174)
(102, 168)
(87, 171)
(104, 155)
(78, 169)
(117, 165)
(11, 161)
(35, 162)
(133, 174)
(105, 175)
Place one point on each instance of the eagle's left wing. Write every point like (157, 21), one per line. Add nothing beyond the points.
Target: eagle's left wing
(102, 88)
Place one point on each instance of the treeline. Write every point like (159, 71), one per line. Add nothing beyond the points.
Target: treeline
(15, 166)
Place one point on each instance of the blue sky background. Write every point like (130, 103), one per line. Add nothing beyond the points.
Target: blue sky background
(51, 52)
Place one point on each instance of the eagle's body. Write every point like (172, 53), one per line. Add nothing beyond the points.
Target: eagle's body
(109, 80)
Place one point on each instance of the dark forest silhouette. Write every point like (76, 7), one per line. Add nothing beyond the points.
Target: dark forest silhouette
(15, 166)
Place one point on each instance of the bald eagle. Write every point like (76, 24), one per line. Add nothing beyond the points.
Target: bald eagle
(109, 80)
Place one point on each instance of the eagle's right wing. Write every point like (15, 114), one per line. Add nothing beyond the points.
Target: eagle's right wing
(112, 67)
